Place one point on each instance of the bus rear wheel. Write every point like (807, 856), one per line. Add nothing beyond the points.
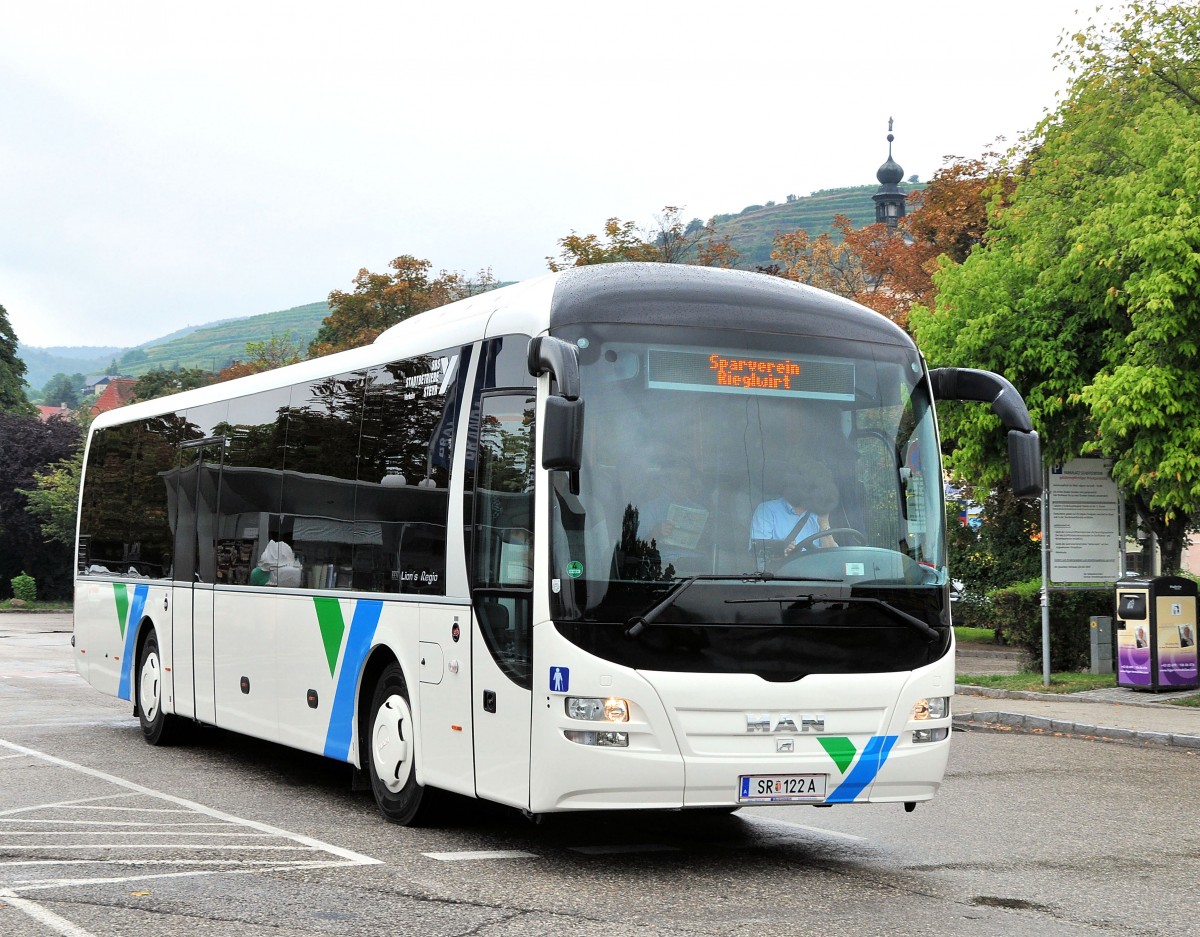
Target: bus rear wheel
(158, 728)
(390, 754)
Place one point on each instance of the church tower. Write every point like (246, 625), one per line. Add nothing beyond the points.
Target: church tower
(889, 200)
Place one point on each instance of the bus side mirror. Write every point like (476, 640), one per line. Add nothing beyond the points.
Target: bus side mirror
(562, 435)
(553, 356)
(562, 425)
(1025, 463)
(1024, 447)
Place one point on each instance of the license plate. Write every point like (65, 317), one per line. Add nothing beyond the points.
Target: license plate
(781, 788)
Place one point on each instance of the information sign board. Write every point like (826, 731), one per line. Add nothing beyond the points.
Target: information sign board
(1085, 523)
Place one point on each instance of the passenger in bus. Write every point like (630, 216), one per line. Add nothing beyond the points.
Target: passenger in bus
(277, 566)
(809, 494)
(676, 518)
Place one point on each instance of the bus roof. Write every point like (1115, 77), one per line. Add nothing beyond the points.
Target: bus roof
(679, 294)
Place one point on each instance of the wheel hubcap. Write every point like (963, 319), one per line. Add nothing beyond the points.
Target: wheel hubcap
(391, 743)
(150, 687)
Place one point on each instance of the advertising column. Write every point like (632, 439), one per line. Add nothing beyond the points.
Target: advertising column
(1156, 634)
(1175, 635)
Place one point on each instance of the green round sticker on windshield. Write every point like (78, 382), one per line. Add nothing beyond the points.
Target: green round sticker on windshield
(574, 569)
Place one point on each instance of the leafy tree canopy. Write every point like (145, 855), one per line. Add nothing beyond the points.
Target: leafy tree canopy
(54, 501)
(671, 241)
(159, 382)
(275, 352)
(890, 270)
(63, 388)
(1084, 290)
(380, 300)
(28, 446)
(12, 371)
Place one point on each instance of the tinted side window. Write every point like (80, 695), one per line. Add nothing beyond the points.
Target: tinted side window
(502, 539)
(410, 415)
(254, 431)
(506, 362)
(125, 524)
(320, 469)
(196, 498)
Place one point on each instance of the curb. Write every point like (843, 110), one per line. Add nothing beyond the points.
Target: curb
(968, 689)
(1040, 725)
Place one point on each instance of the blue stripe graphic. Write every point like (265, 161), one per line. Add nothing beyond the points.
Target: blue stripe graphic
(140, 593)
(864, 771)
(358, 643)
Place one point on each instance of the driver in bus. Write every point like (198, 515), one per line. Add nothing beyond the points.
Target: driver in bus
(809, 495)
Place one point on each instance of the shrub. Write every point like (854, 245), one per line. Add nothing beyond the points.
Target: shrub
(974, 611)
(1018, 616)
(24, 587)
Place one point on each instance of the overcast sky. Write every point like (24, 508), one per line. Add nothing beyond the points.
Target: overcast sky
(164, 165)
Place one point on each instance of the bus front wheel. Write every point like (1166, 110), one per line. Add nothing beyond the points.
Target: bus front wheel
(390, 753)
(158, 728)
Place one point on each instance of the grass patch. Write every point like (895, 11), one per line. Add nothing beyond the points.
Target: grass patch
(1059, 682)
(38, 606)
(1192, 701)
(965, 635)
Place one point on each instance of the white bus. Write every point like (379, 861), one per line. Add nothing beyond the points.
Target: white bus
(506, 550)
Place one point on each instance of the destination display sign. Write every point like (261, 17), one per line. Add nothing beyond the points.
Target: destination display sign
(736, 372)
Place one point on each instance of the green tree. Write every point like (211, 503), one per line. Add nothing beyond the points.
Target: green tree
(159, 383)
(275, 352)
(670, 241)
(12, 371)
(28, 446)
(62, 389)
(1084, 292)
(1005, 548)
(380, 300)
(55, 499)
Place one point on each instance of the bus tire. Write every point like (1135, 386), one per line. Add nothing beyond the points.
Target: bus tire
(390, 754)
(158, 728)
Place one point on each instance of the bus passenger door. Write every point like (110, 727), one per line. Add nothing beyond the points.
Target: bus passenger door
(195, 572)
(500, 551)
(447, 760)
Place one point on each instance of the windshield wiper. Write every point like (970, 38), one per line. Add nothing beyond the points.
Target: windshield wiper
(639, 623)
(810, 600)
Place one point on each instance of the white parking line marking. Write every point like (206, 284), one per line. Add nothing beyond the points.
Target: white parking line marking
(167, 831)
(480, 854)
(283, 859)
(347, 854)
(43, 916)
(237, 847)
(107, 822)
(67, 803)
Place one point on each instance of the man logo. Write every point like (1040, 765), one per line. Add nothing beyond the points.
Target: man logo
(783, 722)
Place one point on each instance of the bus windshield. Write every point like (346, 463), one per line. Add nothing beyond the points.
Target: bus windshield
(731, 458)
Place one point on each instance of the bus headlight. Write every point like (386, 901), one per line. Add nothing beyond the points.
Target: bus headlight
(612, 709)
(931, 735)
(935, 707)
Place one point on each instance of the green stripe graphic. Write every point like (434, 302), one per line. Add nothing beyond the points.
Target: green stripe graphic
(840, 749)
(329, 617)
(121, 594)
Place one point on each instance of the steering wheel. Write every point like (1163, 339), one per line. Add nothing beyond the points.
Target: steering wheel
(810, 543)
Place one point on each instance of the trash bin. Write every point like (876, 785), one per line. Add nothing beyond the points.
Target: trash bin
(1156, 634)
